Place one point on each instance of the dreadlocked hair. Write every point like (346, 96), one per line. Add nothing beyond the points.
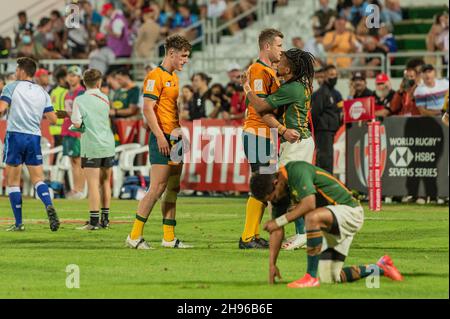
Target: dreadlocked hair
(302, 66)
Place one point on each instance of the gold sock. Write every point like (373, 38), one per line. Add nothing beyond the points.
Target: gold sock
(253, 215)
(169, 232)
(138, 227)
(169, 229)
(257, 228)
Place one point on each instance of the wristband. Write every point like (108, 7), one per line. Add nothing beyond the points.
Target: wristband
(281, 221)
(280, 127)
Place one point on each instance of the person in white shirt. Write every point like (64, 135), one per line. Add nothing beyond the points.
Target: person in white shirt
(28, 103)
(430, 94)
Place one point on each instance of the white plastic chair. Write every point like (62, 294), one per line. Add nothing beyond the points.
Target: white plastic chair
(118, 174)
(127, 165)
(63, 165)
(49, 169)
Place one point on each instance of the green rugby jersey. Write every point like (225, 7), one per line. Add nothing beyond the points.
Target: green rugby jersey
(294, 100)
(306, 179)
(123, 98)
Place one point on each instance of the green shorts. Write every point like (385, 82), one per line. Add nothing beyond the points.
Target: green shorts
(260, 151)
(176, 151)
(71, 146)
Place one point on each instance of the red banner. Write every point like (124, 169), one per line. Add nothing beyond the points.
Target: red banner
(362, 109)
(215, 160)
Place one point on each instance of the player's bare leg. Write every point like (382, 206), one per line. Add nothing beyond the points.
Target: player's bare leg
(168, 208)
(93, 182)
(79, 179)
(159, 176)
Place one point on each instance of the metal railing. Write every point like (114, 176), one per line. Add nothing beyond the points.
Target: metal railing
(214, 31)
(138, 64)
(435, 58)
(199, 39)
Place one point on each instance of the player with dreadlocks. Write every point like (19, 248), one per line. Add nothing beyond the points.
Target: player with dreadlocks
(292, 103)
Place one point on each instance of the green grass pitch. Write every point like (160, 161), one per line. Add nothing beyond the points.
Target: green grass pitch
(33, 263)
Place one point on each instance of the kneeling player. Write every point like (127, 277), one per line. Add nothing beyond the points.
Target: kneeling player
(330, 230)
(91, 114)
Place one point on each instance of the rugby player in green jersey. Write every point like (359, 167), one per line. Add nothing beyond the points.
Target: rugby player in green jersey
(330, 229)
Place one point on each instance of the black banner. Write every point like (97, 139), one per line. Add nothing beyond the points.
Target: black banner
(414, 156)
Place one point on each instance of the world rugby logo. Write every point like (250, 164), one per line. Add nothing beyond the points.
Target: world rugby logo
(356, 110)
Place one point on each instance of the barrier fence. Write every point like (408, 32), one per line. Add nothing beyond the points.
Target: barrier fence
(413, 160)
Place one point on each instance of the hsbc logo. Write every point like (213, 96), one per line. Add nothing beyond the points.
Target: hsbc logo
(401, 156)
(356, 110)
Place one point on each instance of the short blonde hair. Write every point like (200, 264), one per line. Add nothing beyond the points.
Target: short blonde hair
(91, 77)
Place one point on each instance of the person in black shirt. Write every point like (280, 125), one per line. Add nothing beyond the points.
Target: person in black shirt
(197, 106)
(358, 86)
(326, 118)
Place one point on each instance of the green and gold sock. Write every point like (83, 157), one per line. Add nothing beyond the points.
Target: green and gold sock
(354, 273)
(138, 227)
(169, 229)
(313, 247)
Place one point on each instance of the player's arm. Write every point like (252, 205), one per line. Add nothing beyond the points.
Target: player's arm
(306, 205)
(291, 135)
(259, 104)
(150, 116)
(49, 111)
(76, 118)
(5, 98)
(51, 117)
(275, 240)
(3, 106)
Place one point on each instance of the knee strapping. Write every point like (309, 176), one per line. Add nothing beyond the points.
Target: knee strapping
(172, 189)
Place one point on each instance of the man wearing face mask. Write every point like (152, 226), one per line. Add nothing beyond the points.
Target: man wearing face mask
(403, 102)
(383, 95)
(326, 118)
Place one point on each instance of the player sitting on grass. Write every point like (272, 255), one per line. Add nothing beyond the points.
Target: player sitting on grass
(292, 101)
(161, 89)
(329, 230)
(90, 115)
(27, 102)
